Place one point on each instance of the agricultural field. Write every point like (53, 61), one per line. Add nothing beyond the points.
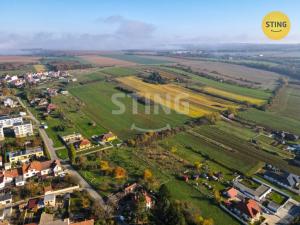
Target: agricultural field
(98, 105)
(19, 59)
(271, 120)
(137, 59)
(199, 80)
(175, 97)
(243, 150)
(120, 71)
(287, 102)
(106, 61)
(231, 72)
(39, 68)
(232, 96)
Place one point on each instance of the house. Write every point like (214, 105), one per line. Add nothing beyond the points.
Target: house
(82, 144)
(35, 204)
(86, 222)
(2, 137)
(5, 198)
(23, 129)
(48, 219)
(148, 200)
(5, 214)
(25, 155)
(50, 200)
(8, 102)
(258, 194)
(248, 209)
(71, 138)
(41, 168)
(11, 175)
(20, 181)
(231, 193)
(51, 107)
(1, 161)
(108, 137)
(284, 179)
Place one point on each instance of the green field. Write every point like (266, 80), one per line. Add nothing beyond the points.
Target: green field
(98, 105)
(136, 59)
(49, 59)
(243, 150)
(287, 102)
(271, 120)
(254, 93)
(120, 71)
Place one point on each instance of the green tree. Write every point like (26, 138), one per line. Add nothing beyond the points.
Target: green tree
(72, 154)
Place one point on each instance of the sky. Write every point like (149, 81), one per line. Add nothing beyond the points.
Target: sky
(133, 24)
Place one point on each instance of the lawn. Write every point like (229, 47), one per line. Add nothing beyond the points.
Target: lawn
(276, 197)
(136, 59)
(253, 93)
(62, 153)
(271, 120)
(98, 105)
(181, 191)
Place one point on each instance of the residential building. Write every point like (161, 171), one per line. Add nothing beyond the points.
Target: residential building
(2, 137)
(71, 138)
(248, 209)
(23, 129)
(231, 193)
(258, 194)
(8, 102)
(25, 155)
(108, 137)
(83, 144)
(5, 198)
(7, 121)
(50, 200)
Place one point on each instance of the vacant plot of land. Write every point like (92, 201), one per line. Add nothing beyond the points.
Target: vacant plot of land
(106, 61)
(99, 106)
(233, 96)
(271, 120)
(243, 150)
(19, 59)
(237, 73)
(287, 102)
(250, 92)
(137, 59)
(175, 97)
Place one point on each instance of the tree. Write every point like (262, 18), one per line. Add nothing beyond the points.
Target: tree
(197, 165)
(209, 221)
(119, 172)
(72, 154)
(174, 149)
(232, 110)
(104, 166)
(213, 117)
(217, 196)
(148, 176)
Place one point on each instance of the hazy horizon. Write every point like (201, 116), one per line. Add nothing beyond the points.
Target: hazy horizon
(113, 25)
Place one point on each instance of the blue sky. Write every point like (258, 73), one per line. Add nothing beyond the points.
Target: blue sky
(123, 24)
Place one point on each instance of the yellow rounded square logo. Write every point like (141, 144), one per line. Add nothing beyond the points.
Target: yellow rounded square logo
(276, 25)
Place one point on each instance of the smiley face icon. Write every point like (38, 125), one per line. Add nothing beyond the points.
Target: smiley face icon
(276, 25)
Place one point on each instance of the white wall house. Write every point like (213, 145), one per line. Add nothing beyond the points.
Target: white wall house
(23, 129)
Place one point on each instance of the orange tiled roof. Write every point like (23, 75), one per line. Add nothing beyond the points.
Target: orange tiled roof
(12, 173)
(86, 222)
(85, 142)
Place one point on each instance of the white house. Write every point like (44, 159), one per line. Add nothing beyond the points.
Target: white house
(23, 129)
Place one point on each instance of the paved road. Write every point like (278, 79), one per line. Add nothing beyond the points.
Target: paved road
(49, 145)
